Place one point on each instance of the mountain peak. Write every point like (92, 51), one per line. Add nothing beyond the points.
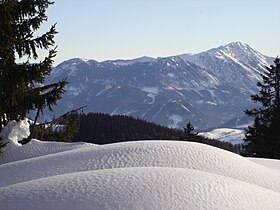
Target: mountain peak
(232, 48)
(238, 44)
(238, 51)
(240, 47)
(231, 62)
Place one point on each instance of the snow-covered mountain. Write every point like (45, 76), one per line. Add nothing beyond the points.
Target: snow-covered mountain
(207, 89)
(236, 63)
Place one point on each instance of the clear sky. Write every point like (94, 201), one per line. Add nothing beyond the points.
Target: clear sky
(111, 29)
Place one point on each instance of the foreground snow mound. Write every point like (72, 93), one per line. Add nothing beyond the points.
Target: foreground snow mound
(146, 188)
(174, 154)
(132, 175)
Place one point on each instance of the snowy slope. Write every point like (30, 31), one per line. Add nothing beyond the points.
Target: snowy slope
(236, 63)
(234, 136)
(270, 163)
(135, 175)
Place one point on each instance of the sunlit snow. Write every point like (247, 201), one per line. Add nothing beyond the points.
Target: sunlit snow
(132, 175)
(234, 136)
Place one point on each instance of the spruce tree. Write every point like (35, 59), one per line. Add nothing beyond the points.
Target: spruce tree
(263, 138)
(189, 134)
(22, 82)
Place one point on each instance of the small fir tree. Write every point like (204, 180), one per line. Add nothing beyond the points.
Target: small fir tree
(263, 138)
(189, 129)
(22, 83)
(189, 133)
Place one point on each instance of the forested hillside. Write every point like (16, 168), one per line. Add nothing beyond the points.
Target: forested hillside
(102, 128)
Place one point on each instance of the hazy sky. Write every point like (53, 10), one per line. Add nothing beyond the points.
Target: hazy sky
(111, 29)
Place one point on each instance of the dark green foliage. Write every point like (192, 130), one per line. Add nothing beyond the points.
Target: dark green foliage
(189, 133)
(60, 130)
(263, 138)
(21, 84)
(103, 129)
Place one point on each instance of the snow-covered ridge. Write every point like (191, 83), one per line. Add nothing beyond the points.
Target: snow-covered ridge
(117, 62)
(121, 62)
(235, 62)
(135, 175)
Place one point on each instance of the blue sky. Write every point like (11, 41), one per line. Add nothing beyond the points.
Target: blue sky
(111, 29)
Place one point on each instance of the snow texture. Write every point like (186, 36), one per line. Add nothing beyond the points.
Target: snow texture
(134, 175)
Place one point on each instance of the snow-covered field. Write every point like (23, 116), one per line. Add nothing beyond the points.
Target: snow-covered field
(231, 135)
(132, 175)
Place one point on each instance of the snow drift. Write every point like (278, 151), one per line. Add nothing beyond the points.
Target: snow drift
(133, 175)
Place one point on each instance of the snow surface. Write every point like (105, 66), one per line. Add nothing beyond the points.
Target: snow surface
(133, 175)
(234, 136)
(270, 163)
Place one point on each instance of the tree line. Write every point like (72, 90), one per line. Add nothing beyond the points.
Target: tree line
(100, 128)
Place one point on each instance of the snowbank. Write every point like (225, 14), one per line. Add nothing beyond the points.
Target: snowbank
(133, 175)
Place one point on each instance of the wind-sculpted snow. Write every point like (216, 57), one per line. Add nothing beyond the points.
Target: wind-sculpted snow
(174, 154)
(131, 175)
(37, 148)
(146, 188)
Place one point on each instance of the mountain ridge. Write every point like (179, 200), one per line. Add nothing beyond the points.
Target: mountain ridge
(207, 89)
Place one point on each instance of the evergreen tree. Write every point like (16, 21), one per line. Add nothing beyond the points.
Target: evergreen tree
(263, 138)
(189, 134)
(22, 83)
(189, 129)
